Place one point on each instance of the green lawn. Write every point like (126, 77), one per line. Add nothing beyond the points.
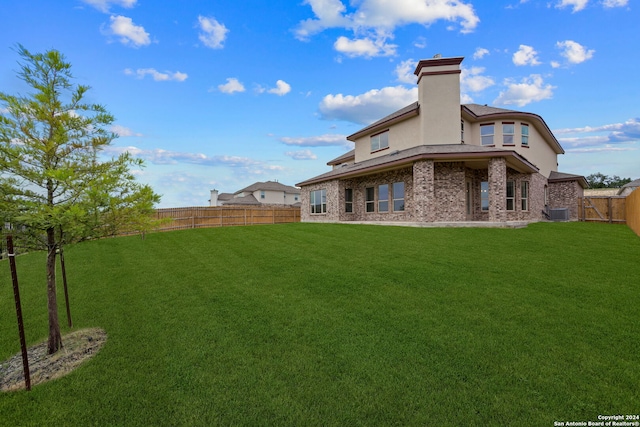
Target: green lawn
(345, 325)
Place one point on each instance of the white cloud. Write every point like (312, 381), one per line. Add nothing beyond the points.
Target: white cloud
(574, 52)
(480, 53)
(213, 33)
(129, 33)
(365, 47)
(404, 71)
(282, 88)
(615, 133)
(165, 157)
(367, 107)
(530, 89)
(614, 3)
(156, 75)
(105, 5)
(123, 132)
(231, 86)
(301, 155)
(326, 140)
(471, 80)
(379, 19)
(526, 55)
(577, 5)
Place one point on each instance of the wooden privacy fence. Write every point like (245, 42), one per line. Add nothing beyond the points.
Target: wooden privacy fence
(633, 211)
(222, 216)
(609, 209)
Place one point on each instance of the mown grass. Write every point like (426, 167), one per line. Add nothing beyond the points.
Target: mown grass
(317, 324)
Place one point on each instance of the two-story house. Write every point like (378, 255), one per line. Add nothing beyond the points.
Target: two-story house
(270, 193)
(437, 160)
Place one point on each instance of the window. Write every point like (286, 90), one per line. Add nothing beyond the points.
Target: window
(262, 194)
(525, 134)
(380, 141)
(398, 196)
(486, 134)
(508, 131)
(511, 195)
(524, 195)
(348, 200)
(462, 130)
(383, 198)
(484, 195)
(318, 201)
(370, 200)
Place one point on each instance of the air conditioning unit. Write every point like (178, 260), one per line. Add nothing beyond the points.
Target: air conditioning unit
(559, 214)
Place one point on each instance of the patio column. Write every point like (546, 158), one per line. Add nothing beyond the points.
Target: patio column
(497, 189)
(423, 191)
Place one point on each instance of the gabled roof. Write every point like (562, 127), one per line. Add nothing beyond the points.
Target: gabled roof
(560, 176)
(349, 155)
(246, 200)
(404, 158)
(400, 115)
(269, 186)
(634, 183)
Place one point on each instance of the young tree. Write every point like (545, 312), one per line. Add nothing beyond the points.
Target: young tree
(53, 180)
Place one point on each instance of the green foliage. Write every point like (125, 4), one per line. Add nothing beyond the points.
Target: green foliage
(599, 180)
(53, 176)
(335, 325)
(55, 187)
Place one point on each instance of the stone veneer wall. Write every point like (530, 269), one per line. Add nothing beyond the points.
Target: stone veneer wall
(565, 194)
(359, 186)
(434, 192)
(497, 189)
(450, 191)
(333, 206)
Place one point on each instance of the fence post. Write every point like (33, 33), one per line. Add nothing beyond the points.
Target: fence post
(16, 295)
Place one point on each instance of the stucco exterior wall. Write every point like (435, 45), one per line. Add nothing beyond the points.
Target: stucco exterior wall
(403, 135)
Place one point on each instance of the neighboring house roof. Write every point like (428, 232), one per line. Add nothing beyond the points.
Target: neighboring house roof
(629, 187)
(269, 186)
(397, 159)
(225, 196)
(559, 177)
(246, 200)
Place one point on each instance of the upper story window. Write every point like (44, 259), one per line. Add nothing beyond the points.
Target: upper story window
(262, 194)
(462, 130)
(508, 132)
(380, 141)
(524, 128)
(486, 133)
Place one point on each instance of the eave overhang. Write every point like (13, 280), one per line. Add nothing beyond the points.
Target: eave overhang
(396, 161)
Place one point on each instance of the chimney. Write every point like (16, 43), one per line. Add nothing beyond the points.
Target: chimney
(439, 99)
(214, 198)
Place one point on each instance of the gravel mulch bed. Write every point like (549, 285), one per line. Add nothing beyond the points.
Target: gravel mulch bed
(79, 346)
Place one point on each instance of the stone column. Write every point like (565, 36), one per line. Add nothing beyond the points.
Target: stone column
(497, 189)
(423, 191)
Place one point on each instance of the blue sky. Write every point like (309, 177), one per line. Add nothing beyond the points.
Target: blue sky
(221, 94)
